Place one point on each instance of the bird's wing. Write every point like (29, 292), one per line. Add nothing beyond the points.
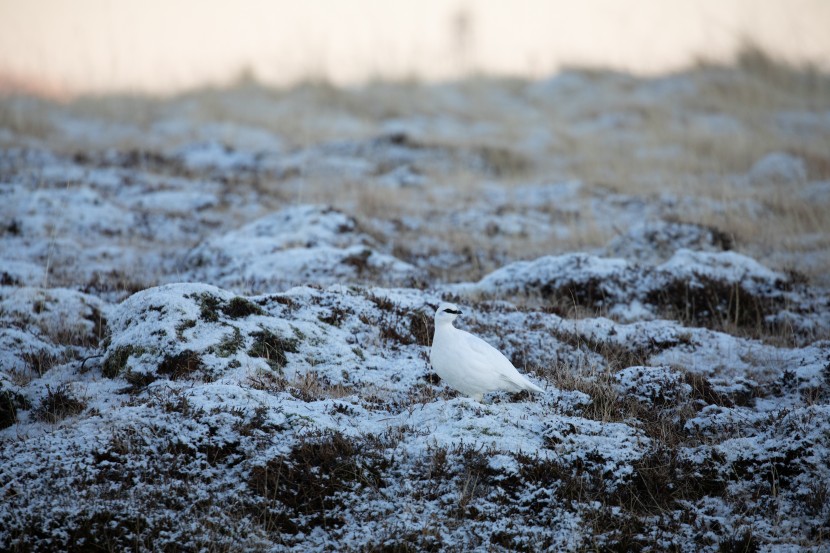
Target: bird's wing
(485, 353)
(488, 357)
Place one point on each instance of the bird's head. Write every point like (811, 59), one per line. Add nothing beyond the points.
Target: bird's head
(446, 313)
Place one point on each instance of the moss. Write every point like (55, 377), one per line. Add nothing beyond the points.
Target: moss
(116, 362)
(138, 380)
(181, 365)
(272, 348)
(229, 345)
(239, 307)
(209, 306)
(182, 326)
(298, 334)
(335, 317)
(282, 300)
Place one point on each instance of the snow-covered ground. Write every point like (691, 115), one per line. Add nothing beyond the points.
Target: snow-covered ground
(215, 318)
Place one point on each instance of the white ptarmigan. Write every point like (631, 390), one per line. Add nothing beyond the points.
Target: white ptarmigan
(468, 363)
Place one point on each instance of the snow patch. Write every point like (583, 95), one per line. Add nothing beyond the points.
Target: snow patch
(778, 168)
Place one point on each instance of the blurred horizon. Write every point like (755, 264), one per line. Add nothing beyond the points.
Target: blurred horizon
(59, 49)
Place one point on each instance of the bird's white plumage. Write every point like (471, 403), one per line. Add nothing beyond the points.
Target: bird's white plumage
(468, 363)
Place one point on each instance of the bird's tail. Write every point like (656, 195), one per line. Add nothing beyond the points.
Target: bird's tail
(532, 387)
(518, 382)
(526, 384)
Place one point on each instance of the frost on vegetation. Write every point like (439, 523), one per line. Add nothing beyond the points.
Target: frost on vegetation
(193, 359)
(657, 241)
(45, 327)
(778, 168)
(294, 246)
(655, 386)
(391, 155)
(803, 123)
(213, 155)
(21, 273)
(713, 289)
(309, 418)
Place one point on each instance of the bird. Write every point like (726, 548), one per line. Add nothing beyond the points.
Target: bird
(469, 364)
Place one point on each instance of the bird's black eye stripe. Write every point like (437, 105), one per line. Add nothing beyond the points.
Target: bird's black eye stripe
(453, 311)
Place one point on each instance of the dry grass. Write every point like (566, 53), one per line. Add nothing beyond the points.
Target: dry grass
(708, 163)
(656, 143)
(307, 387)
(58, 404)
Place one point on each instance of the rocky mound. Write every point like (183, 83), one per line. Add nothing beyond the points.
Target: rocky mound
(310, 418)
(300, 244)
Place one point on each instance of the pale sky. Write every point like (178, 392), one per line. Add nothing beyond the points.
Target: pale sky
(169, 45)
